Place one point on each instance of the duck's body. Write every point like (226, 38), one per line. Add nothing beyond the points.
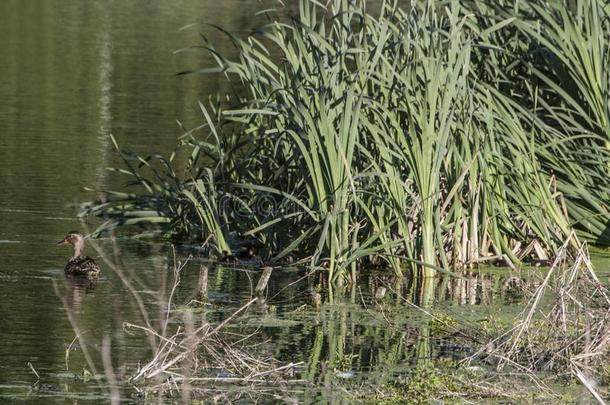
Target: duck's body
(79, 264)
(85, 266)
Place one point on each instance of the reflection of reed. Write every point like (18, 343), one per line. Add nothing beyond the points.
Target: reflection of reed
(470, 289)
(391, 326)
(481, 288)
(344, 346)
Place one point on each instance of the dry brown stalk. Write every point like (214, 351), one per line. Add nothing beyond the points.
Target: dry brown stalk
(565, 328)
(192, 351)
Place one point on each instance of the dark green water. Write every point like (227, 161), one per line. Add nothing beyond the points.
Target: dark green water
(73, 72)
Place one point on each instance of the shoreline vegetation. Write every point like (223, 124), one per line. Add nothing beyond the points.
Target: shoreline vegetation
(421, 141)
(444, 135)
(557, 340)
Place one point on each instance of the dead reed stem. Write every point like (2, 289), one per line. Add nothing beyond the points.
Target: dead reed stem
(565, 326)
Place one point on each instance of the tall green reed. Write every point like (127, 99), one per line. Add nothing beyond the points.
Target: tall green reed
(424, 136)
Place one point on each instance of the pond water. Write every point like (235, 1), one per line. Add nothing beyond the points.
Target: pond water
(72, 73)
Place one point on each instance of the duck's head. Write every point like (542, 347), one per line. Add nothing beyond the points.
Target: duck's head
(74, 238)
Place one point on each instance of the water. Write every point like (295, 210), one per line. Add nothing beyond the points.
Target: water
(72, 73)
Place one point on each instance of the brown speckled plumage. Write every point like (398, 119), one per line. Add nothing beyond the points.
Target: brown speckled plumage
(79, 264)
(82, 265)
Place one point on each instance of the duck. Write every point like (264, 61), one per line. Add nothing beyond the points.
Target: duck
(79, 264)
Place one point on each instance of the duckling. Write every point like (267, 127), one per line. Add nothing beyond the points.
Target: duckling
(79, 264)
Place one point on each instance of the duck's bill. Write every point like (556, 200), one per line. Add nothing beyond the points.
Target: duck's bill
(61, 242)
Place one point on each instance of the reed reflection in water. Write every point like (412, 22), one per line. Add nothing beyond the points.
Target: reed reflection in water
(372, 333)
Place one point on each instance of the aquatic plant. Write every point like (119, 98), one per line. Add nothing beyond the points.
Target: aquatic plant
(551, 62)
(440, 135)
(185, 204)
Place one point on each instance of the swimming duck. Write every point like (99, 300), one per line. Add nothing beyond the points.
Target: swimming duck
(79, 264)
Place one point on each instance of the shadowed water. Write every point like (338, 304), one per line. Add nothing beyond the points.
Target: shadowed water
(72, 73)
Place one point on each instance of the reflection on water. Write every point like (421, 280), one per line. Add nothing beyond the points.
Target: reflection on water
(367, 336)
(77, 287)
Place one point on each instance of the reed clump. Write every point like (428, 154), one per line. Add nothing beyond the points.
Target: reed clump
(443, 134)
